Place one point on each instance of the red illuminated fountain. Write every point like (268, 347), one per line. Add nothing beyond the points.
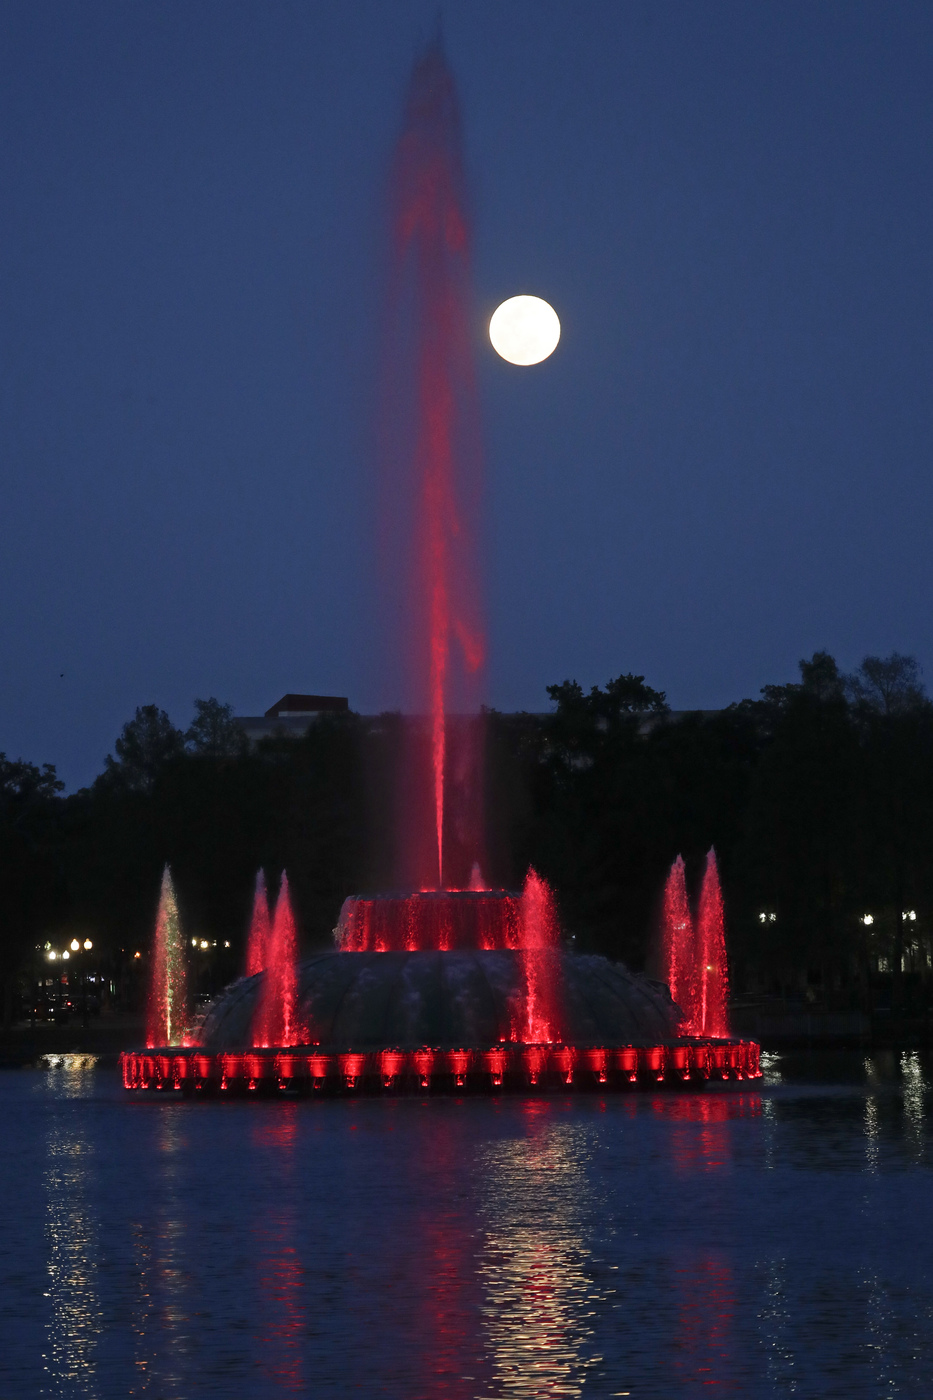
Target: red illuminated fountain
(276, 1019)
(447, 984)
(694, 951)
(260, 929)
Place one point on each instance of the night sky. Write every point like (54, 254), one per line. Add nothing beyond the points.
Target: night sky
(725, 465)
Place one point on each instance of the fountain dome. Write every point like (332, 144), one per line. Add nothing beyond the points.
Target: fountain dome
(364, 1001)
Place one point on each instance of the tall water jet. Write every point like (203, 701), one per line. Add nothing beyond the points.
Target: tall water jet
(260, 929)
(540, 936)
(711, 961)
(432, 485)
(167, 1010)
(275, 1021)
(678, 943)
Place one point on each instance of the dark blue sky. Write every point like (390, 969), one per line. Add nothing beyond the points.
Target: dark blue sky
(725, 466)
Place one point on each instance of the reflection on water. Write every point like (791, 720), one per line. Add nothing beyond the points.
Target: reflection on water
(769, 1241)
(170, 1262)
(914, 1096)
(540, 1295)
(872, 1133)
(144, 1336)
(770, 1069)
(450, 1366)
(703, 1341)
(700, 1140)
(74, 1320)
(280, 1274)
(776, 1329)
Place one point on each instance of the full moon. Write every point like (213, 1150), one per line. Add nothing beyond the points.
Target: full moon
(524, 330)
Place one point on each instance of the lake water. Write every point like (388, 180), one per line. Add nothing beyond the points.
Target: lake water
(766, 1241)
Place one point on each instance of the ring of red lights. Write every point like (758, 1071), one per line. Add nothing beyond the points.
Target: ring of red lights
(314, 1070)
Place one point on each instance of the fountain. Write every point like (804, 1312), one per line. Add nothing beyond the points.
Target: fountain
(445, 983)
(167, 1011)
(260, 929)
(275, 1021)
(694, 950)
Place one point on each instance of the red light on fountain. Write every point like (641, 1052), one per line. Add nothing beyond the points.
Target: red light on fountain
(540, 938)
(678, 940)
(711, 954)
(260, 929)
(276, 1021)
(448, 920)
(430, 919)
(694, 951)
(432, 475)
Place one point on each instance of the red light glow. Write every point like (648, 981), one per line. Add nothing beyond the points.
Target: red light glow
(694, 951)
(260, 929)
(275, 1021)
(432, 484)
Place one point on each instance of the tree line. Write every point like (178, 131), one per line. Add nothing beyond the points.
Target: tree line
(818, 798)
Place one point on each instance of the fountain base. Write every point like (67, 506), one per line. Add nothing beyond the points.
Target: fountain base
(317, 1070)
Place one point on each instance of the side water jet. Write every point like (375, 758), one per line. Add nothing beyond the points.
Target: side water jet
(540, 939)
(677, 941)
(711, 954)
(694, 951)
(167, 1010)
(260, 929)
(276, 1022)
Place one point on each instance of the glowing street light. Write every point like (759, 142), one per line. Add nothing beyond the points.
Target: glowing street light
(66, 954)
(88, 944)
(75, 945)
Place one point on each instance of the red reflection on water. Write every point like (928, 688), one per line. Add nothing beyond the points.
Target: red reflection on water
(703, 1342)
(280, 1270)
(701, 1139)
(446, 1242)
(451, 1304)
